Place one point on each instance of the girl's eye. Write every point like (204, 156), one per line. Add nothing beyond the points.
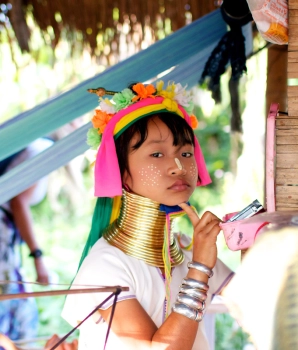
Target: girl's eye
(156, 155)
(187, 154)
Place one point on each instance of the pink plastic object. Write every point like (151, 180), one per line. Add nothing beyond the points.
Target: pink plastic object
(241, 234)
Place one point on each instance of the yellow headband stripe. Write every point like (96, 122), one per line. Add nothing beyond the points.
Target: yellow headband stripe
(142, 112)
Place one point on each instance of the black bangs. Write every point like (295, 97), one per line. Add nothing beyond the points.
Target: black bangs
(181, 131)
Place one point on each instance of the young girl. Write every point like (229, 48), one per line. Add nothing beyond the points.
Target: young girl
(147, 166)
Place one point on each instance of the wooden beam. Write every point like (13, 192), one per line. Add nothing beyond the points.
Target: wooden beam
(282, 123)
(287, 161)
(286, 177)
(287, 149)
(293, 100)
(287, 132)
(287, 140)
(293, 4)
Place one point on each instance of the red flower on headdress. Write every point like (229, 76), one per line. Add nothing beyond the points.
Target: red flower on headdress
(193, 121)
(100, 120)
(143, 91)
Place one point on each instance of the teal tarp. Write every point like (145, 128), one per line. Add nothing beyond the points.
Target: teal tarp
(185, 51)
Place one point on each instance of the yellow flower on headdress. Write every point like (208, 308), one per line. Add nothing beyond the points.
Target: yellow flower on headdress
(168, 93)
(170, 105)
(100, 120)
(194, 121)
(159, 86)
(143, 91)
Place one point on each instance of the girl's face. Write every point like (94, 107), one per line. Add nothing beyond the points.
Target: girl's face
(159, 170)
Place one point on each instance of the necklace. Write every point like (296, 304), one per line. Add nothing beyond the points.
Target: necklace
(139, 231)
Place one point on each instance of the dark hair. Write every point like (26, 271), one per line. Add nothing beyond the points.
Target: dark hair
(181, 131)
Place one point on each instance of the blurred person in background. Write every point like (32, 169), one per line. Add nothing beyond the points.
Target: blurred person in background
(19, 318)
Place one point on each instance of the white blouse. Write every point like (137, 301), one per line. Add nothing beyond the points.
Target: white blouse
(109, 266)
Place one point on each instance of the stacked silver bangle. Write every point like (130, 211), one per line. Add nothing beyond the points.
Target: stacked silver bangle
(191, 299)
(200, 267)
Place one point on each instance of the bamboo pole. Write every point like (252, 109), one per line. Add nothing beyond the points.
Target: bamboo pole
(113, 289)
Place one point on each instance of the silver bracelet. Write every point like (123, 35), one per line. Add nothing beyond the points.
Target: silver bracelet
(200, 267)
(191, 301)
(195, 284)
(193, 292)
(188, 312)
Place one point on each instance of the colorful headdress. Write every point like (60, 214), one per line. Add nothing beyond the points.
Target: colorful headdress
(114, 116)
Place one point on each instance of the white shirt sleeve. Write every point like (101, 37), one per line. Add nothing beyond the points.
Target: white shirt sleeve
(102, 267)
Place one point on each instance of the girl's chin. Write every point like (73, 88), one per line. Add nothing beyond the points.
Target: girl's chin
(172, 203)
(169, 199)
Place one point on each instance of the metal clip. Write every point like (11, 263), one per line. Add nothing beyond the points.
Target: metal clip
(248, 211)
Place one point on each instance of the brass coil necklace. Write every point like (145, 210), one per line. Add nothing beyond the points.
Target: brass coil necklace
(139, 231)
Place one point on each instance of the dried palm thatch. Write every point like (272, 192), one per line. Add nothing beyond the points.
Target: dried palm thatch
(98, 22)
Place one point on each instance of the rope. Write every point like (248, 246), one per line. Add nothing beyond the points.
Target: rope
(111, 317)
(59, 292)
(116, 293)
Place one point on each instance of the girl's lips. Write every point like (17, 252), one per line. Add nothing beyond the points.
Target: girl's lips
(179, 185)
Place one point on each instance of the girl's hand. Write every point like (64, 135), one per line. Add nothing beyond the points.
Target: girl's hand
(64, 346)
(205, 234)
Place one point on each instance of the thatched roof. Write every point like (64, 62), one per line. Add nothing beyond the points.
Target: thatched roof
(97, 22)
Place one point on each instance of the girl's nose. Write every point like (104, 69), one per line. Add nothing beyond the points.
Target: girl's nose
(178, 169)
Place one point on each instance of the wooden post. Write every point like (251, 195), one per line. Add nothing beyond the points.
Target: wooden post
(287, 126)
(276, 91)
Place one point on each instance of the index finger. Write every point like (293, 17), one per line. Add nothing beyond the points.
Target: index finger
(191, 213)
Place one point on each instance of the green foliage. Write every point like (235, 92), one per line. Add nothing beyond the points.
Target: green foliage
(61, 235)
(214, 139)
(215, 143)
(229, 336)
